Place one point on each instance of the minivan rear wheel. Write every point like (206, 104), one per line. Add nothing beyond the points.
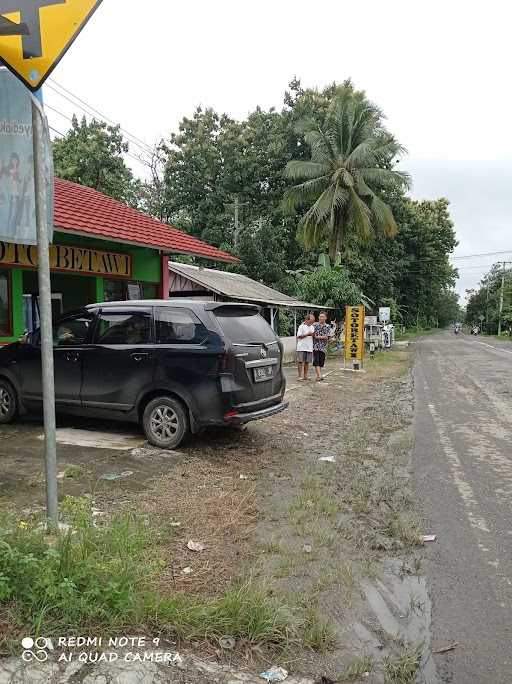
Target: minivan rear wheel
(165, 423)
(8, 402)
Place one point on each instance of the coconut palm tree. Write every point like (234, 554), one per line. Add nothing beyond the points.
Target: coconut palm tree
(351, 164)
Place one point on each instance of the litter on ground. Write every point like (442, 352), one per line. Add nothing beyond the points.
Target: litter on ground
(445, 649)
(275, 674)
(196, 546)
(429, 538)
(111, 477)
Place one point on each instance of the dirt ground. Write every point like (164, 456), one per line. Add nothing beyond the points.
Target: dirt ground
(314, 503)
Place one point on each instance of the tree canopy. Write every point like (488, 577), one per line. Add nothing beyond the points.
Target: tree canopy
(483, 304)
(329, 154)
(91, 153)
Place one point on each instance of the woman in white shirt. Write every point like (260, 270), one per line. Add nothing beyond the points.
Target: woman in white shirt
(305, 335)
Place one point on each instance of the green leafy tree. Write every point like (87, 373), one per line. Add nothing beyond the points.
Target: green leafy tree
(91, 154)
(448, 308)
(330, 287)
(350, 166)
(484, 300)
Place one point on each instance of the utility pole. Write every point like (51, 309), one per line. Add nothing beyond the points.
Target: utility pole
(236, 205)
(45, 301)
(502, 290)
(487, 310)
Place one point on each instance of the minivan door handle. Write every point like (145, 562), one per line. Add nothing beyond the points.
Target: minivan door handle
(140, 356)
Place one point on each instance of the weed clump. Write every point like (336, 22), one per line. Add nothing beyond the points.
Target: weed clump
(100, 577)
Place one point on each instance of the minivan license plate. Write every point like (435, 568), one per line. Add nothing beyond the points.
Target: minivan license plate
(262, 373)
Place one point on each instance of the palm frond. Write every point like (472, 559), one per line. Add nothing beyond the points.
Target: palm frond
(383, 217)
(319, 146)
(297, 169)
(303, 193)
(361, 216)
(321, 209)
(385, 178)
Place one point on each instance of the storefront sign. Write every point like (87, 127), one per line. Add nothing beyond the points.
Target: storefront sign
(354, 333)
(72, 259)
(17, 189)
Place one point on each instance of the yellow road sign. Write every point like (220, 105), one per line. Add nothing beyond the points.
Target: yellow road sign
(35, 34)
(354, 333)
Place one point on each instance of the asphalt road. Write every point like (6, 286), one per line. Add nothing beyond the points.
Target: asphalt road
(463, 470)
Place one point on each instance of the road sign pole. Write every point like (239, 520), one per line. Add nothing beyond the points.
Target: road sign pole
(45, 306)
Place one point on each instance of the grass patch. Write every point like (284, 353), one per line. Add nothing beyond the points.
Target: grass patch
(342, 576)
(319, 635)
(313, 501)
(357, 669)
(74, 471)
(406, 530)
(272, 547)
(391, 362)
(99, 578)
(403, 670)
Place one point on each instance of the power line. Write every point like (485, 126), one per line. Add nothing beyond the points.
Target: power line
(65, 116)
(484, 254)
(92, 111)
(55, 131)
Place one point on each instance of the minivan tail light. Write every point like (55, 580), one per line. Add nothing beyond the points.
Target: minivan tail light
(230, 414)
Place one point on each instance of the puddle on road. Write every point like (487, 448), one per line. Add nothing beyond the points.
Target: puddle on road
(403, 610)
(97, 440)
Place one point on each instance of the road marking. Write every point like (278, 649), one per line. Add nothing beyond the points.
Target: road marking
(465, 490)
(505, 351)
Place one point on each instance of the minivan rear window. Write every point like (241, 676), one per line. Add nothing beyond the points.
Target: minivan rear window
(241, 326)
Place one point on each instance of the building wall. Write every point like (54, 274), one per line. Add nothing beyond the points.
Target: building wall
(146, 269)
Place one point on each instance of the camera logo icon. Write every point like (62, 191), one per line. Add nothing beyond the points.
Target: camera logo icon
(36, 650)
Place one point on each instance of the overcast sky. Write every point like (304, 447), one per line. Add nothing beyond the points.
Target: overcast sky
(439, 69)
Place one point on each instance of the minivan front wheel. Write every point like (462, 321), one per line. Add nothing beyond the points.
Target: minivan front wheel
(8, 402)
(165, 423)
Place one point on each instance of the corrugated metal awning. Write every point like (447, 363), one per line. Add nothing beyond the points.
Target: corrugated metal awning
(238, 287)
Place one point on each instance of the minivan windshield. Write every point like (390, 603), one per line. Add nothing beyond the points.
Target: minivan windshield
(245, 327)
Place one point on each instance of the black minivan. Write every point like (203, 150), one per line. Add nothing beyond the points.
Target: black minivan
(176, 366)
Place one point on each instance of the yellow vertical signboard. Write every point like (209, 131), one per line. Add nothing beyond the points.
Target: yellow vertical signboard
(354, 333)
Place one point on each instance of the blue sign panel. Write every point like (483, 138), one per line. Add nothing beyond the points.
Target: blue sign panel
(17, 192)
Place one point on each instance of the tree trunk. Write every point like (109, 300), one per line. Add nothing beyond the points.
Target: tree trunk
(336, 239)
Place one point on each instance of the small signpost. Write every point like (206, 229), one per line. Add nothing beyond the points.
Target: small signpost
(354, 336)
(34, 35)
(384, 314)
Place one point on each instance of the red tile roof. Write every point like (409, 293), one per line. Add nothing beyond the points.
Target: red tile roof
(89, 212)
